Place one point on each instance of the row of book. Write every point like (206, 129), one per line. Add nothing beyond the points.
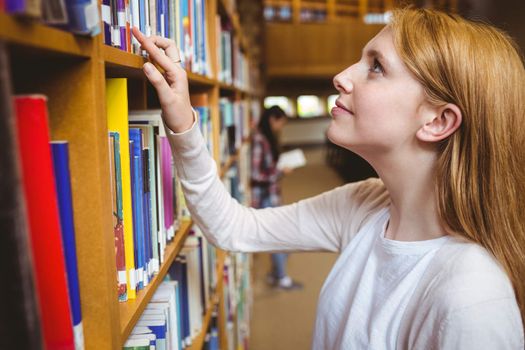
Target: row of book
(232, 63)
(50, 224)
(183, 21)
(237, 291)
(77, 16)
(174, 316)
(148, 204)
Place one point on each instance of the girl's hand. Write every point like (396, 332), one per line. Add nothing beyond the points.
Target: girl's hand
(172, 86)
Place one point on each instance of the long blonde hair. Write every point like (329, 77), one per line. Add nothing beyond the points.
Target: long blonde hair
(481, 167)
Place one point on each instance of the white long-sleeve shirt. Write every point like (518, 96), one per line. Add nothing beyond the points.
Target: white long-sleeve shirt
(443, 293)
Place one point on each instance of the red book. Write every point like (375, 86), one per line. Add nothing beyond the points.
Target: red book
(44, 223)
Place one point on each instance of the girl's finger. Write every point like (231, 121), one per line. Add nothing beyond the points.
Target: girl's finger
(154, 52)
(159, 83)
(170, 48)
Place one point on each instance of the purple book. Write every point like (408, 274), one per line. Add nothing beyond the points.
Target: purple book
(106, 19)
(167, 185)
(121, 18)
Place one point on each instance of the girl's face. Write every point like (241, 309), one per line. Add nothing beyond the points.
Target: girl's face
(277, 124)
(380, 102)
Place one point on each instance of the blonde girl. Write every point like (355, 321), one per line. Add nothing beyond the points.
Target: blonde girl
(432, 253)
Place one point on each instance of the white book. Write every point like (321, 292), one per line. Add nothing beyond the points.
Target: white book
(291, 159)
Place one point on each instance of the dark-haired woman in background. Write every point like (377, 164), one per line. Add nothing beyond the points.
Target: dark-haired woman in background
(266, 191)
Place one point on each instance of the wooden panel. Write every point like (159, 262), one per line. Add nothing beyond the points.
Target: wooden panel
(315, 49)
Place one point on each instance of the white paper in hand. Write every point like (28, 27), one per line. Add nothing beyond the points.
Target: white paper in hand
(291, 159)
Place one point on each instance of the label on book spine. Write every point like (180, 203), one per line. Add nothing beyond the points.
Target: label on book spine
(91, 14)
(106, 13)
(121, 277)
(140, 275)
(78, 334)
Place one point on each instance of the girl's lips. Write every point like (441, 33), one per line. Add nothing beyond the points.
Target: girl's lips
(343, 107)
(340, 111)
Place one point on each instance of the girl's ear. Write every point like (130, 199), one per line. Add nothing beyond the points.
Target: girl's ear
(445, 121)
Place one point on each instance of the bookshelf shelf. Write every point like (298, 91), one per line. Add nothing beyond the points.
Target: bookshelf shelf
(29, 34)
(131, 310)
(118, 58)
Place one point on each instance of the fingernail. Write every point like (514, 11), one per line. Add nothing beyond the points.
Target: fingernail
(148, 68)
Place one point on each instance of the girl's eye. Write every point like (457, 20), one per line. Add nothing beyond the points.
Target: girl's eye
(376, 67)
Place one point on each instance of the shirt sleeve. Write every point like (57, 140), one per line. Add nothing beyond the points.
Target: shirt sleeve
(310, 225)
(494, 324)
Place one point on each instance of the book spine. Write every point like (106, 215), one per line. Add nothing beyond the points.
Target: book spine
(65, 204)
(42, 208)
(118, 228)
(117, 112)
(105, 11)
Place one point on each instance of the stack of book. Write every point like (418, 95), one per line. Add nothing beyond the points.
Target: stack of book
(173, 318)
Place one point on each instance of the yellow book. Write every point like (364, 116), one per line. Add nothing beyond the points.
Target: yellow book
(117, 115)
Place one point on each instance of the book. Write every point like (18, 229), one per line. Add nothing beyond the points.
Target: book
(148, 134)
(117, 115)
(28, 8)
(19, 314)
(83, 17)
(137, 187)
(137, 344)
(105, 11)
(118, 227)
(60, 151)
(55, 12)
(291, 159)
(44, 222)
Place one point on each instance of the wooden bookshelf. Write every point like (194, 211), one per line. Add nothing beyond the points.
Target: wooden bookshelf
(71, 71)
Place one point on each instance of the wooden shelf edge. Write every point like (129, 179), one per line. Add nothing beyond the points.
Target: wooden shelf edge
(131, 310)
(115, 57)
(30, 33)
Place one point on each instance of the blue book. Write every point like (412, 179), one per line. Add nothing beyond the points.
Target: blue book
(178, 272)
(60, 153)
(147, 210)
(136, 201)
(83, 17)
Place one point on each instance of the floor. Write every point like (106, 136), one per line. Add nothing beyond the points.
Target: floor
(285, 319)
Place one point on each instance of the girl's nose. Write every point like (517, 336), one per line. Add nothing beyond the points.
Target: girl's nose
(343, 82)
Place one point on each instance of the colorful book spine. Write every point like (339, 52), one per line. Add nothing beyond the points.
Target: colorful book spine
(105, 11)
(20, 317)
(117, 115)
(137, 186)
(60, 151)
(118, 227)
(44, 222)
(121, 24)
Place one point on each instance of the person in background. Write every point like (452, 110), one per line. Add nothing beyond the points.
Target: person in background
(266, 190)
